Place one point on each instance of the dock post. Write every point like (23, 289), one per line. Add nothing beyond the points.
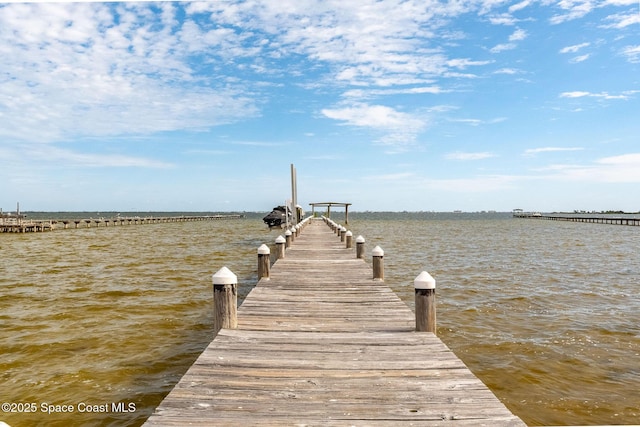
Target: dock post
(292, 230)
(225, 300)
(425, 290)
(287, 237)
(360, 247)
(378, 263)
(264, 259)
(280, 244)
(349, 239)
(343, 232)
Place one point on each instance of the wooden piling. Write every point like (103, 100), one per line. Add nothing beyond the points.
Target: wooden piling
(378, 263)
(264, 262)
(349, 239)
(425, 302)
(225, 300)
(287, 238)
(360, 247)
(280, 247)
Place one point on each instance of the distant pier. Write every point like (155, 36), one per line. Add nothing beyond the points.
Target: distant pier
(595, 219)
(18, 223)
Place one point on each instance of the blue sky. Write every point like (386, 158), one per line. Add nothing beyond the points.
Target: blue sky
(389, 105)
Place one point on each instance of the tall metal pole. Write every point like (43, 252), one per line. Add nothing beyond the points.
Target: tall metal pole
(294, 194)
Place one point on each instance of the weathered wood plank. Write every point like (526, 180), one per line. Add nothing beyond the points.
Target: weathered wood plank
(321, 343)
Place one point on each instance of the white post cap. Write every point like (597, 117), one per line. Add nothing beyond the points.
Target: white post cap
(224, 276)
(377, 251)
(349, 233)
(281, 239)
(359, 239)
(287, 233)
(424, 281)
(264, 250)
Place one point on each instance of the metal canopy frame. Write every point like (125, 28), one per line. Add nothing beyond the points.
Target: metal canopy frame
(328, 206)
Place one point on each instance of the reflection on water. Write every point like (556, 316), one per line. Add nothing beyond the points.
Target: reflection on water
(545, 313)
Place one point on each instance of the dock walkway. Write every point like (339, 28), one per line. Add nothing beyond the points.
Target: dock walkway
(322, 343)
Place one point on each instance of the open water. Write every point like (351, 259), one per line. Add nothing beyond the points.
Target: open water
(102, 322)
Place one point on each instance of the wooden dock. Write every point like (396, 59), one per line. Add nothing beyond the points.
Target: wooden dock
(322, 343)
(19, 224)
(593, 219)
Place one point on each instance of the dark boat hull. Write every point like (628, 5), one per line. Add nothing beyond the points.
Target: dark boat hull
(277, 218)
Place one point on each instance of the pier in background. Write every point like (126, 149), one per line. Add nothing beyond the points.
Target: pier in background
(18, 223)
(590, 218)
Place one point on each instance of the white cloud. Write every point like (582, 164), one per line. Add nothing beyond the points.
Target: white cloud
(632, 53)
(70, 158)
(478, 122)
(616, 169)
(602, 95)
(519, 6)
(518, 35)
(399, 129)
(458, 155)
(103, 69)
(623, 20)
(572, 9)
(510, 71)
(502, 47)
(371, 93)
(374, 116)
(503, 19)
(534, 151)
(574, 48)
(477, 184)
(574, 94)
(580, 58)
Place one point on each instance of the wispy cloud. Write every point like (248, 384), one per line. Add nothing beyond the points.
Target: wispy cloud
(624, 168)
(572, 9)
(534, 151)
(632, 53)
(399, 129)
(95, 70)
(259, 143)
(459, 155)
(580, 58)
(509, 71)
(516, 36)
(477, 184)
(602, 95)
(478, 122)
(574, 48)
(623, 20)
(92, 160)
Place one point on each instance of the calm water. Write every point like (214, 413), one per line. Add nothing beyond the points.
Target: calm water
(108, 319)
